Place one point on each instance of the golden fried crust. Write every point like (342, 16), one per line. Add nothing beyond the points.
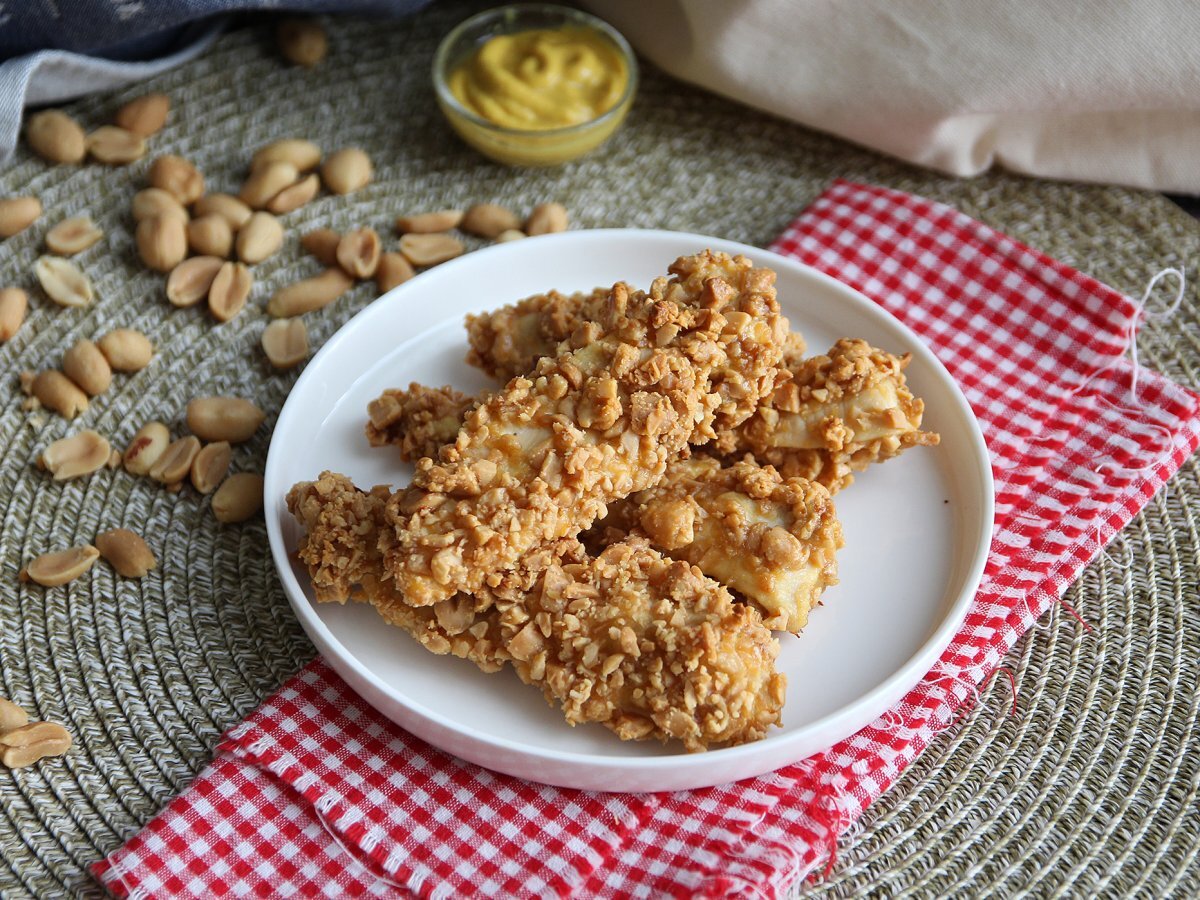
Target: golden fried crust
(509, 341)
(542, 458)
(838, 414)
(771, 539)
(418, 421)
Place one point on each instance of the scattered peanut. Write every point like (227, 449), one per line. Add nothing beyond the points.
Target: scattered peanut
(232, 419)
(26, 745)
(358, 252)
(210, 235)
(230, 290)
(512, 234)
(126, 350)
(56, 391)
(85, 365)
(322, 244)
(177, 177)
(239, 498)
(285, 341)
(61, 566)
(146, 447)
(146, 115)
(430, 222)
(13, 304)
(295, 196)
(75, 456)
(126, 552)
(488, 220)
(17, 214)
(176, 461)
(430, 249)
(393, 270)
(267, 181)
(309, 294)
(71, 236)
(190, 281)
(11, 716)
(114, 146)
(302, 42)
(304, 155)
(259, 238)
(346, 170)
(210, 465)
(227, 206)
(56, 137)
(157, 202)
(161, 242)
(546, 218)
(63, 281)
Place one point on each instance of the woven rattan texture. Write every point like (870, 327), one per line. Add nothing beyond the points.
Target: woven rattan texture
(1090, 788)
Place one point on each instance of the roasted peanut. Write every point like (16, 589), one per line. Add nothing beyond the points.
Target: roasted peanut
(126, 552)
(488, 220)
(145, 115)
(430, 249)
(190, 281)
(210, 465)
(63, 281)
(75, 456)
(126, 350)
(393, 270)
(115, 146)
(239, 498)
(302, 42)
(61, 566)
(146, 447)
(210, 236)
(322, 244)
(26, 745)
(304, 155)
(546, 218)
(13, 304)
(157, 202)
(259, 238)
(17, 214)
(430, 222)
(232, 419)
(346, 170)
(227, 206)
(178, 177)
(11, 716)
(285, 341)
(267, 181)
(309, 294)
(295, 196)
(230, 290)
(56, 137)
(358, 252)
(56, 391)
(161, 242)
(71, 236)
(85, 365)
(176, 461)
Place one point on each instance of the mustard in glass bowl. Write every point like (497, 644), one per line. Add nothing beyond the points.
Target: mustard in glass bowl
(534, 84)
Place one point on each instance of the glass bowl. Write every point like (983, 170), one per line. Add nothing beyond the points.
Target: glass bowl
(516, 146)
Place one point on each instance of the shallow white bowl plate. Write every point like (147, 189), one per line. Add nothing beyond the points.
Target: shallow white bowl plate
(917, 529)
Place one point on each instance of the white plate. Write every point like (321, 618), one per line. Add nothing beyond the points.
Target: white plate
(917, 529)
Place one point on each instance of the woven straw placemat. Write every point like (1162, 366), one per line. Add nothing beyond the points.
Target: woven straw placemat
(1090, 788)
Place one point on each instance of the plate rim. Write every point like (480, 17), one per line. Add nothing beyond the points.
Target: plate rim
(343, 660)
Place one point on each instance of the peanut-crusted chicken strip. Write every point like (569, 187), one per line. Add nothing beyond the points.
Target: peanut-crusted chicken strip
(419, 420)
(648, 647)
(542, 458)
(838, 414)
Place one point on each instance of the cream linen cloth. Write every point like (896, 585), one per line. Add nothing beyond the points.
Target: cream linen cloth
(1091, 90)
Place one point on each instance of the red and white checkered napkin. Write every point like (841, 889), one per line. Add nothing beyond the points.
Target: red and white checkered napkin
(317, 795)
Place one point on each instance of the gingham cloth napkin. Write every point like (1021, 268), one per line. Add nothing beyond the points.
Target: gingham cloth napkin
(317, 795)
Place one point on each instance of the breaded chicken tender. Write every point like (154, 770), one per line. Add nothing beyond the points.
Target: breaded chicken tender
(541, 458)
(418, 420)
(646, 646)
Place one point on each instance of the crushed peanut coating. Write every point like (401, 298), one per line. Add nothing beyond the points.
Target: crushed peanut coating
(838, 414)
(509, 341)
(644, 645)
(541, 458)
(418, 421)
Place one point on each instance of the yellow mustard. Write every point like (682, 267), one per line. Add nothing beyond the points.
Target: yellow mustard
(542, 79)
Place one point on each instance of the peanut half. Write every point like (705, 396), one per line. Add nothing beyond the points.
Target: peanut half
(114, 146)
(210, 465)
(227, 206)
(190, 281)
(11, 716)
(176, 461)
(304, 155)
(346, 170)
(146, 115)
(56, 391)
(177, 177)
(267, 181)
(126, 350)
(239, 498)
(285, 341)
(63, 281)
(232, 419)
(154, 201)
(71, 236)
(546, 218)
(61, 566)
(126, 552)
(309, 294)
(230, 290)
(322, 243)
(75, 456)
(161, 242)
(430, 249)
(85, 365)
(259, 238)
(302, 42)
(56, 137)
(488, 220)
(512, 234)
(430, 222)
(26, 745)
(393, 270)
(295, 196)
(17, 214)
(210, 235)
(14, 303)
(146, 447)
(358, 252)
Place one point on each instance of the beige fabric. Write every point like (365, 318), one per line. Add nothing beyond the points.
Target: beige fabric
(1105, 91)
